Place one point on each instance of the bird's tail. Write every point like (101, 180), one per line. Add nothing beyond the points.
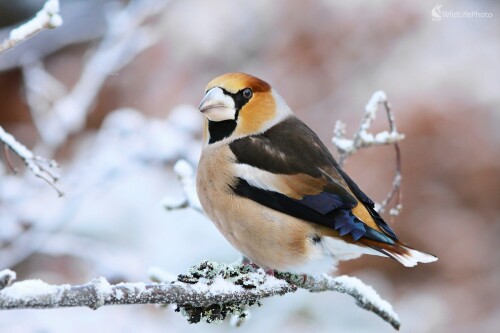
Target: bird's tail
(403, 253)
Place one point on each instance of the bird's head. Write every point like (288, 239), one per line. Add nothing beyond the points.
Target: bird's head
(240, 104)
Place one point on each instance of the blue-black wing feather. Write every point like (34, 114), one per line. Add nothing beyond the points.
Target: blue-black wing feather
(340, 218)
(291, 147)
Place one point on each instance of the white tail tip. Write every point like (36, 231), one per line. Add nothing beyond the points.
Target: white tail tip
(413, 257)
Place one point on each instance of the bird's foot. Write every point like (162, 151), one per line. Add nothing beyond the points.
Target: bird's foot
(247, 262)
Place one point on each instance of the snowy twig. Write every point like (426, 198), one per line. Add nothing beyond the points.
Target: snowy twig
(128, 34)
(34, 163)
(185, 174)
(47, 18)
(209, 292)
(363, 139)
(6, 278)
(396, 183)
(366, 297)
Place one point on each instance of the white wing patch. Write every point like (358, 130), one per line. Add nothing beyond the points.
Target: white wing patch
(257, 177)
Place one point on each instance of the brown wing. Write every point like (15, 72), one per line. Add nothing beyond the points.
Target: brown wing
(289, 169)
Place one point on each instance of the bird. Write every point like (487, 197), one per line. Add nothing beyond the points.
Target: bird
(275, 192)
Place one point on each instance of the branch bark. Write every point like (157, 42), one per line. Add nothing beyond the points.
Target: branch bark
(209, 292)
(38, 165)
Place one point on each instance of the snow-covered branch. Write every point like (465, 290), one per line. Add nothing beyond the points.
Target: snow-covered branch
(47, 18)
(366, 297)
(38, 165)
(129, 33)
(6, 278)
(185, 174)
(364, 139)
(209, 292)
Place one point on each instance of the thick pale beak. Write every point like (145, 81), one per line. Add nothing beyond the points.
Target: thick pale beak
(217, 106)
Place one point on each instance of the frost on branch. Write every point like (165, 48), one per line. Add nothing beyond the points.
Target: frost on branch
(38, 165)
(185, 174)
(6, 278)
(47, 18)
(129, 33)
(364, 139)
(209, 292)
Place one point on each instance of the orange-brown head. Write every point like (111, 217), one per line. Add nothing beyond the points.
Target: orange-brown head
(238, 104)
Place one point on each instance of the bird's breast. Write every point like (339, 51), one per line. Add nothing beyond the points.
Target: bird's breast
(269, 238)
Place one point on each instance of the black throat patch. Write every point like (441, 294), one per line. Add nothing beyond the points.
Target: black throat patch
(219, 130)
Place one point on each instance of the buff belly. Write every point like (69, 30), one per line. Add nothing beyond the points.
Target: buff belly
(270, 239)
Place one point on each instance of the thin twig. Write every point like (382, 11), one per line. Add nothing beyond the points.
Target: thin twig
(6, 154)
(128, 34)
(47, 18)
(33, 162)
(396, 183)
(363, 139)
(185, 175)
(6, 278)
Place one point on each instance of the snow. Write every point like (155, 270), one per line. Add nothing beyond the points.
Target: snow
(136, 287)
(384, 137)
(343, 144)
(159, 274)
(394, 212)
(272, 283)
(119, 294)
(372, 105)
(366, 137)
(7, 276)
(367, 292)
(47, 17)
(183, 169)
(32, 161)
(222, 286)
(15, 145)
(103, 287)
(388, 137)
(28, 289)
(185, 172)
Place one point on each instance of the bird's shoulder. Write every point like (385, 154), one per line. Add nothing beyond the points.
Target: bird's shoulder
(289, 147)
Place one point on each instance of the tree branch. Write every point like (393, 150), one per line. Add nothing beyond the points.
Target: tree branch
(38, 165)
(6, 278)
(209, 292)
(128, 34)
(396, 183)
(47, 18)
(185, 174)
(363, 139)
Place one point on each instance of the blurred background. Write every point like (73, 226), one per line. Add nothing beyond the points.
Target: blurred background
(112, 96)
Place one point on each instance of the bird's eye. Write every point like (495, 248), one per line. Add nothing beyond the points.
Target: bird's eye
(247, 93)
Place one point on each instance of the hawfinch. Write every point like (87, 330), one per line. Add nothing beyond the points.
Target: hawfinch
(276, 193)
